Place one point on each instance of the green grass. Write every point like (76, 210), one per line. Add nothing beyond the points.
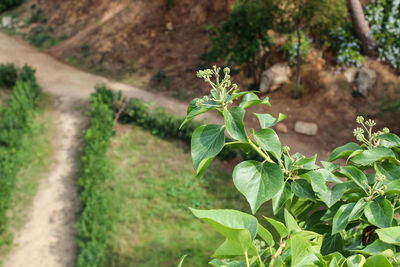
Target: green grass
(150, 193)
(36, 155)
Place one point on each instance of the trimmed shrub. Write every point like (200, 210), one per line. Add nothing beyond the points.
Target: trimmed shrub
(94, 224)
(9, 4)
(14, 124)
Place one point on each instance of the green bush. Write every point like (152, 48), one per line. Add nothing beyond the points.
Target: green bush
(14, 124)
(94, 224)
(8, 75)
(342, 213)
(9, 4)
(290, 47)
(346, 46)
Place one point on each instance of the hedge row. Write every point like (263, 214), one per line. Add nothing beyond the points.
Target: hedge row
(165, 125)
(94, 225)
(14, 124)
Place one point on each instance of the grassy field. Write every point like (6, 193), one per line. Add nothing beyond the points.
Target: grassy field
(150, 193)
(36, 154)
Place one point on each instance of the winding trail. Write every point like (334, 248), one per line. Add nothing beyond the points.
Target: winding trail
(48, 238)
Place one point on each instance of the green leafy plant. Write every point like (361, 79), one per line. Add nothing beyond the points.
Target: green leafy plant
(9, 4)
(8, 75)
(94, 225)
(347, 47)
(329, 215)
(14, 124)
(290, 47)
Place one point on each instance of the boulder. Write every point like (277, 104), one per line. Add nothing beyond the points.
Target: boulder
(275, 77)
(307, 128)
(6, 22)
(365, 80)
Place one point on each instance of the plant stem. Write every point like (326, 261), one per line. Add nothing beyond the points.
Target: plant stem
(247, 258)
(259, 151)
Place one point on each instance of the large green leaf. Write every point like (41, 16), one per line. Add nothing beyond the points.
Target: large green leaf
(239, 229)
(252, 99)
(279, 227)
(379, 214)
(327, 195)
(358, 209)
(376, 248)
(302, 251)
(341, 218)
(305, 163)
(343, 151)
(389, 140)
(389, 235)
(356, 175)
(303, 189)
(207, 142)
(368, 157)
(266, 120)
(332, 243)
(390, 170)
(377, 260)
(268, 140)
(257, 181)
(393, 187)
(280, 198)
(234, 123)
(355, 261)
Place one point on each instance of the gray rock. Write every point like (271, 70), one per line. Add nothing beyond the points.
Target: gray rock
(307, 128)
(365, 80)
(6, 22)
(275, 77)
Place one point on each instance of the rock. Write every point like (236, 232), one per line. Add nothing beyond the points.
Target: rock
(282, 128)
(350, 74)
(6, 22)
(274, 77)
(307, 128)
(365, 80)
(169, 26)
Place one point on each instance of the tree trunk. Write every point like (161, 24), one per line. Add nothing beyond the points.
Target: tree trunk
(361, 26)
(298, 67)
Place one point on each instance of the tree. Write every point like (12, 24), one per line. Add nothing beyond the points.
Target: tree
(315, 17)
(361, 26)
(243, 37)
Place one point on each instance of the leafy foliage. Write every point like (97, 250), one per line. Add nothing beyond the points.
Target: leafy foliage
(384, 19)
(9, 4)
(14, 124)
(94, 224)
(8, 75)
(329, 216)
(290, 47)
(347, 47)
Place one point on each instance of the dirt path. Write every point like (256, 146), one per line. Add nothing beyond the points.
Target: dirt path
(48, 239)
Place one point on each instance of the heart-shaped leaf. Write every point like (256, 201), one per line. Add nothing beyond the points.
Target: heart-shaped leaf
(356, 175)
(252, 99)
(389, 235)
(341, 218)
(368, 157)
(234, 123)
(327, 195)
(266, 120)
(283, 195)
(239, 229)
(257, 181)
(207, 142)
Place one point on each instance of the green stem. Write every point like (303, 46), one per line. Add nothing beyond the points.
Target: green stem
(247, 258)
(259, 151)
